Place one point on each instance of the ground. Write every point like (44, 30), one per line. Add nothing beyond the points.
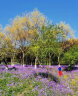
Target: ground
(28, 81)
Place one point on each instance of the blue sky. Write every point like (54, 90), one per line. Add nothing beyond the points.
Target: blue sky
(55, 10)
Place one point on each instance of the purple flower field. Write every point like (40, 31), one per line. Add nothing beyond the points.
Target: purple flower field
(28, 81)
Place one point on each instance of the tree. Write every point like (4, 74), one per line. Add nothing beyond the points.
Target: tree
(49, 42)
(10, 42)
(19, 31)
(54, 36)
(3, 50)
(10, 49)
(2, 37)
(69, 44)
(38, 20)
(35, 49)
(71, 56)
(64, 33)
(33, 31)
(24, 29)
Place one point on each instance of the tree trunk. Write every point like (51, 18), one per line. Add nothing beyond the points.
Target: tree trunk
(6, 63)
(49, 59)
(47, 62)
(59, 60)
(12, 59)
(31, 63)
(36, 62)
(23, 59)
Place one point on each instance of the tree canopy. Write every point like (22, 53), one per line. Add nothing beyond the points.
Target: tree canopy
(33, 35)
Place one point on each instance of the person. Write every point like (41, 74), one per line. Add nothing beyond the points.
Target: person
(60, 72)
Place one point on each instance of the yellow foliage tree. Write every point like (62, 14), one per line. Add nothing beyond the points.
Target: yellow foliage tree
(24, 29)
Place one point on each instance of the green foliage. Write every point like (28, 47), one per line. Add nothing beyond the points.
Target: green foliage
(32, 35)
(71, 56)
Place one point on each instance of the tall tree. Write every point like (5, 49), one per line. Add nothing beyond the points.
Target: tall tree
(38, 20)
(24, 29)
(64, 33)
(18, 32)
